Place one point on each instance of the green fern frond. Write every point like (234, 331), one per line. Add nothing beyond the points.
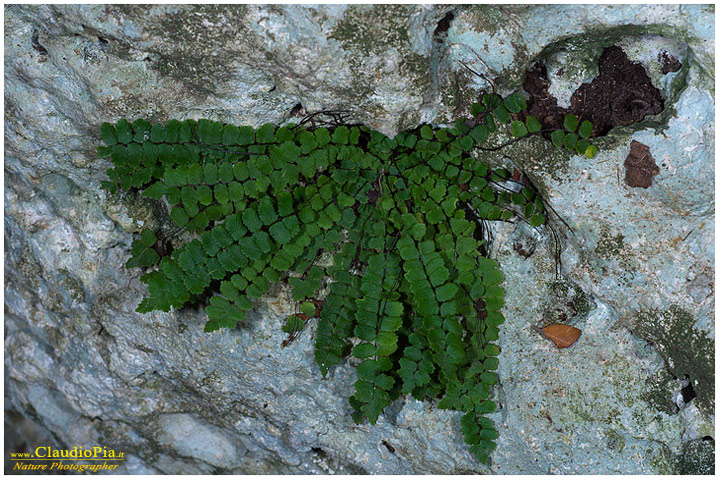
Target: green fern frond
(410, 294)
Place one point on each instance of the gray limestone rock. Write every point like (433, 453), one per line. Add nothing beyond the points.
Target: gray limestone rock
(636, 271)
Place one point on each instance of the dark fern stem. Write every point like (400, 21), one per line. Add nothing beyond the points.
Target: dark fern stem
(413, 293)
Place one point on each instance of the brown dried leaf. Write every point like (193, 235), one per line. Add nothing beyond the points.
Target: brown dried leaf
(640, 167)
(561, 335)
(318, 306)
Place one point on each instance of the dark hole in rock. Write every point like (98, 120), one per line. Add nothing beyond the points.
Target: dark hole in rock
(104, 44)
(708, 438)
(688, 392)
(35, 40)
(640, 166)
(363, 140)
(318, 450)
(163, 247)
(669, 62)
(621, 94)
(297, 110)
(387, 445)
(443, 25)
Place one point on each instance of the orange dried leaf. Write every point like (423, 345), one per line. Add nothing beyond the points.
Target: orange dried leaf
(561, 335)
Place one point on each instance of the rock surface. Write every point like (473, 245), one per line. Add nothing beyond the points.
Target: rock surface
(636, 276)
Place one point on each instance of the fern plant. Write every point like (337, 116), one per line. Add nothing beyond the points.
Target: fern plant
(411, 294)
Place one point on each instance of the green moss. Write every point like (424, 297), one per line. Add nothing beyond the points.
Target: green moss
(368, 33)
(190, 36)
(373, 29)
(486, 18)
(609, 245)
(418, 67)
(595, 39)
(618, 406)
(566, 303)
(71, 285)
(686, 350)
(697, 458)
(456, 98)
(614, 440)
(660, 391)
(661, 460)
(491, 20)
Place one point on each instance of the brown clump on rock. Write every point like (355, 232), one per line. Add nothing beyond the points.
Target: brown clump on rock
(669, 62)
(640, 166)
(622, 94)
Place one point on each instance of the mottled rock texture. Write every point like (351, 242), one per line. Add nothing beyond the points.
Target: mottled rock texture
(636, 272)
